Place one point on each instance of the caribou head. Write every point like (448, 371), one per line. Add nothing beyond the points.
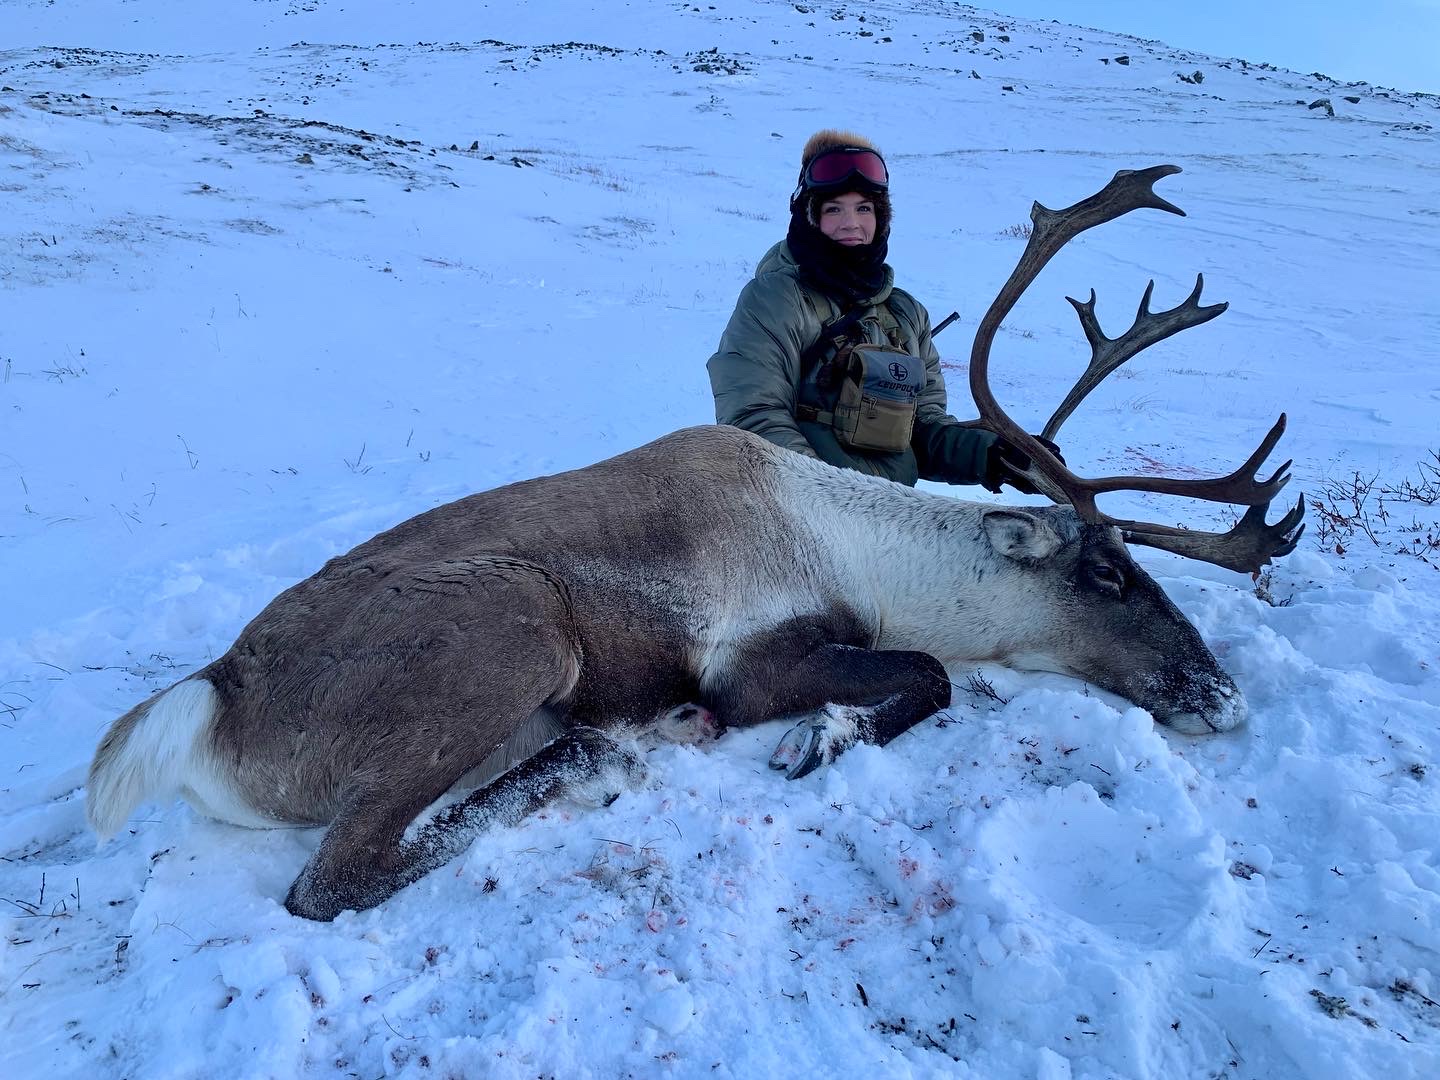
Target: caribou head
(1092, 612)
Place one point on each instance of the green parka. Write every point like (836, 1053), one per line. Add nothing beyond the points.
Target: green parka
(757, 379)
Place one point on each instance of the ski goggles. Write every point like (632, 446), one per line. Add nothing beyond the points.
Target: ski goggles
(836, 167)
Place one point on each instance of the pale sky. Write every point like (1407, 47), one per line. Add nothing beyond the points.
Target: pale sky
(1393, 43)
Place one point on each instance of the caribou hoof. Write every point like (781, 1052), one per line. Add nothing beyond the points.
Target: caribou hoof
(321, 894)
(816, 741)
(610, 771)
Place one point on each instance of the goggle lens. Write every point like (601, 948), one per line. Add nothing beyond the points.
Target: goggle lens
(835, 166)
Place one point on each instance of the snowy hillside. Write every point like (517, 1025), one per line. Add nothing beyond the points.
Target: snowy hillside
(278, 274)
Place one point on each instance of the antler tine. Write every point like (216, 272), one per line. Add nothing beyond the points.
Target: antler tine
(1245, 548)
(1240, 486)
(1107, 354)
(1128, 189)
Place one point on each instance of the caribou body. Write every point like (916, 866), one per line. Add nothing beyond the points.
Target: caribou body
(500, 639)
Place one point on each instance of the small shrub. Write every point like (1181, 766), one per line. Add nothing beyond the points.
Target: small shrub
(980, 686)
(1363, 506)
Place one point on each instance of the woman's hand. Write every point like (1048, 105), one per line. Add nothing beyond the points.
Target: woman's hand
(1007, 464)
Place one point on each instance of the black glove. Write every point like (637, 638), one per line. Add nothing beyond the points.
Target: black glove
(1006, 463)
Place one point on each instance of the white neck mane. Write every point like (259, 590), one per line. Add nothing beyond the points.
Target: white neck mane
(912, 558)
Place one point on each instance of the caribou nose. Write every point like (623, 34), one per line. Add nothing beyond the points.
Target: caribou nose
(1223, 710)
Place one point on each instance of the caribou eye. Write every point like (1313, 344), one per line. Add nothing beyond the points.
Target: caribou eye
(1108, 578)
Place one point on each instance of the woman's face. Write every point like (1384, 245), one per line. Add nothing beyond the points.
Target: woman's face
(848, 219)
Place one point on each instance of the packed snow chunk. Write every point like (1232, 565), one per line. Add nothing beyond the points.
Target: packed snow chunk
(906, 865)
(990, 950)
(1304, 565)
(186, 583)
(323, 981)
(297, 556)
(48, 825)
(878, 778)
(1396, 905)
(1258, 858)
(268, 1032)
(1014, 977)
(671, 1010)
(253, 969)
(1374, 579)
(1265, 664)
(1082, 719)
(1051, 1066)
(192, 615)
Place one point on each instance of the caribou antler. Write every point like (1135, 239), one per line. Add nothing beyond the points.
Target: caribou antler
(1251, 543)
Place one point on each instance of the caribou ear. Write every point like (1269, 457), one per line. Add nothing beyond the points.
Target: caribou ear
(1018, 535)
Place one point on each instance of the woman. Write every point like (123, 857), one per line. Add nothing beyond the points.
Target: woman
(824, 356)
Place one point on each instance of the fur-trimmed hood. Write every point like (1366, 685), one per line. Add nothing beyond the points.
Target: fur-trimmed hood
(823, 142)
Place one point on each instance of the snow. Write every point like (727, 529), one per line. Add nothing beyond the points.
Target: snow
(259, 300)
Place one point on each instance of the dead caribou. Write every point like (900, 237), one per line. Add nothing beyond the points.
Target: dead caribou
(500, 635)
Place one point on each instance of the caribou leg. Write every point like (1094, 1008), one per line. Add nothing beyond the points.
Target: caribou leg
(870, 696)
(584, 764)
(473, 693)
(859, 694)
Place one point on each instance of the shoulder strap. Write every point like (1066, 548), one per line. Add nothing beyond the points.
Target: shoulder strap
(901, 309)
(834, 333)
(891, 325)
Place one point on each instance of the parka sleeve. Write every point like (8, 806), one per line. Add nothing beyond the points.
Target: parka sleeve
(755, 372)
(944, 450)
